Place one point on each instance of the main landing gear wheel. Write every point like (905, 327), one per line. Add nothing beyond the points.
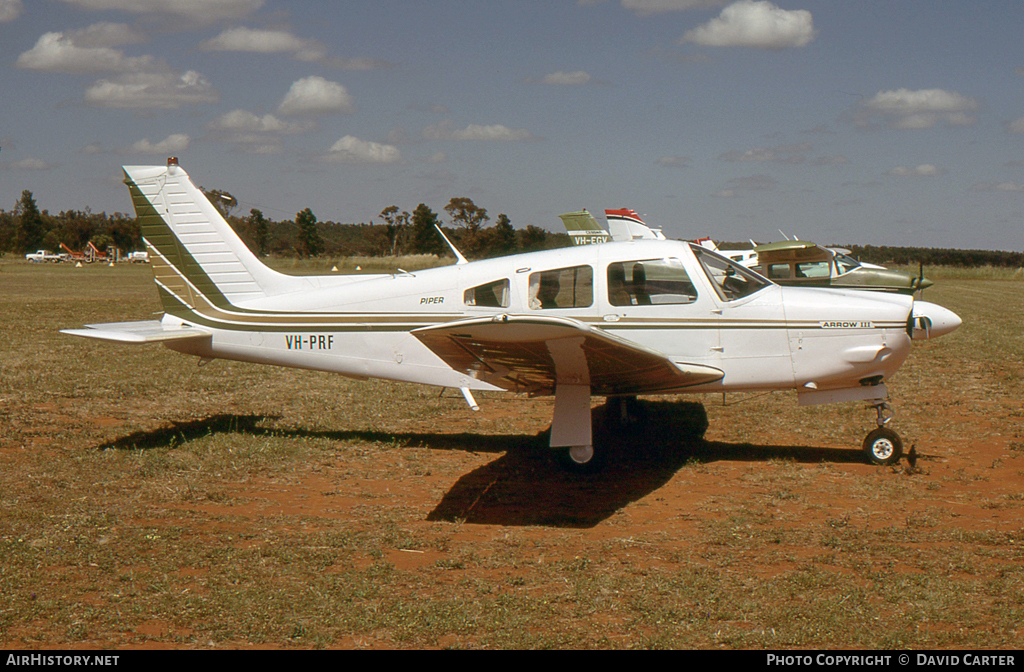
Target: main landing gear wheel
(581, 459)
(883, 447)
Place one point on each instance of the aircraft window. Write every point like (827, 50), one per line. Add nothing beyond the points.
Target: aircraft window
(729, 279)
(778, 271)
(845, 264)
(649, 282)
(492, 295)
(562, 288)
(812, 269)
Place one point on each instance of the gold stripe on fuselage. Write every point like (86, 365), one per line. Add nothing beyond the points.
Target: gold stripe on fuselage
(196, 307)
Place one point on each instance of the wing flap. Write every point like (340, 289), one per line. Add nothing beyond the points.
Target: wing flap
(533, 354)
(152, 331)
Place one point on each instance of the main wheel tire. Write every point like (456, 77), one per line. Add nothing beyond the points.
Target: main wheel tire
(581, 459)
(883, 447)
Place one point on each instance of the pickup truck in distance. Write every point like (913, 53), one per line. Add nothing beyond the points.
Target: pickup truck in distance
(43, 255)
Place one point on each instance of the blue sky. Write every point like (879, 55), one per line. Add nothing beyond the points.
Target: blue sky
(868, 122)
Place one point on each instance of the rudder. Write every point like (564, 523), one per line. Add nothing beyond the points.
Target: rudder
(196, 255)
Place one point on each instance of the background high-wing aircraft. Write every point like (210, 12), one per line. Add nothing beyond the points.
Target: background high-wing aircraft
(789, 262)
(613, 320)
(798, 262)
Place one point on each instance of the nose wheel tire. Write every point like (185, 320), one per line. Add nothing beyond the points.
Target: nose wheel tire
(883, 447)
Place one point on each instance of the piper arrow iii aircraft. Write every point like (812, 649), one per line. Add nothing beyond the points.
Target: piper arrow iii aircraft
(613, 320)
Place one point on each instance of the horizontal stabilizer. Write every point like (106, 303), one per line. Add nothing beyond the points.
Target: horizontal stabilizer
(152, 331)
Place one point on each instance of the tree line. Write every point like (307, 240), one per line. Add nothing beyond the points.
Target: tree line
(906, 256)
(398, 232)
(27, 229)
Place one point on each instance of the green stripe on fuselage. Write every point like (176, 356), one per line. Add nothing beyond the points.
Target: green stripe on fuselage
(161, 238)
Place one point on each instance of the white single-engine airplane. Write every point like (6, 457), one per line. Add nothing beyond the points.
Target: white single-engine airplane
(613, 320)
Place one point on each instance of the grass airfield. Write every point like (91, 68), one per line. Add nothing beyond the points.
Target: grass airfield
(146, 502)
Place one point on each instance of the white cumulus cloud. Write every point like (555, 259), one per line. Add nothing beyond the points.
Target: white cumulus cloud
(31, 164)
(201, 11)
(444, 131)
(266, 42)
(57, 52)
(353, 150)
(252, 133)
(574, 78)
(242, 120)
(178, 142)
(758, 24)
(10, 10)
(162, 91)
(106, 34)
(781, 154)
(923, 170)
(316, 95)
(924, 108)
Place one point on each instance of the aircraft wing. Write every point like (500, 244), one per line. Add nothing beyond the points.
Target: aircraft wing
(534, 354)
(152, 331)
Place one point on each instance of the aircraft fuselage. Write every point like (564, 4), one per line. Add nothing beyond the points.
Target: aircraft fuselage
(773, 338)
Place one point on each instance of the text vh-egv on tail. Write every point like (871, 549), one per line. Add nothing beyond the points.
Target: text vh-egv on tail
(623, 225)
(612, 320)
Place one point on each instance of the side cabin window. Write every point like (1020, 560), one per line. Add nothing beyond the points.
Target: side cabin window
(813, 269)
(649, 282)
(562, 288)
(779, 272)
(804, 270)
(730, 280)
(492, 295)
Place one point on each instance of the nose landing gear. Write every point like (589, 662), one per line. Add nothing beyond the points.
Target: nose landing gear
(883, 446)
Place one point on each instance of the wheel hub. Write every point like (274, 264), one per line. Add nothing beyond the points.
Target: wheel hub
(581, 454)
(882, 449)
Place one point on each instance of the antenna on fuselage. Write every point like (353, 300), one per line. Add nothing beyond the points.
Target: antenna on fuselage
(458, 255)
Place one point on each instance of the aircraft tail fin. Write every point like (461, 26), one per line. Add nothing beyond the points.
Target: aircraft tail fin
(626, 224)
(197, 259)
(583, 229)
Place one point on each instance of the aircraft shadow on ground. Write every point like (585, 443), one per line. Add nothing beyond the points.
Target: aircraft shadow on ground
(525, 485)
(528, 487)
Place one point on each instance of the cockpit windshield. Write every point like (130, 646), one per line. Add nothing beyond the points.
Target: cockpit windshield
(845, 264)
(731, 280)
